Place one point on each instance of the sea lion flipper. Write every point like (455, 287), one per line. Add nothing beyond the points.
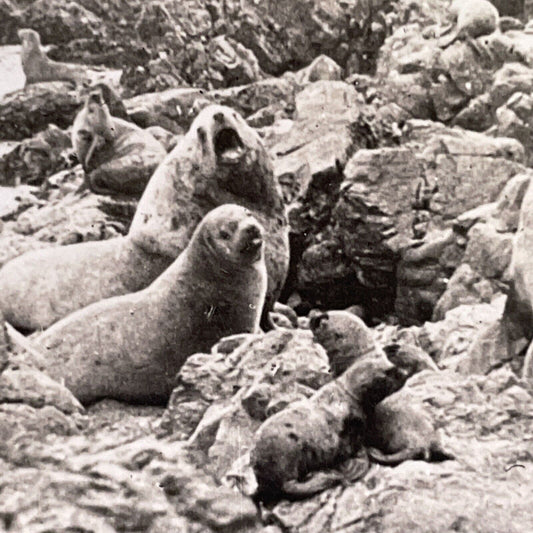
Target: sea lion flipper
(394, 459)
(355, 468)
(315, 483)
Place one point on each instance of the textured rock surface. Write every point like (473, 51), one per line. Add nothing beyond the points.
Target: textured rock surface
(404, 190)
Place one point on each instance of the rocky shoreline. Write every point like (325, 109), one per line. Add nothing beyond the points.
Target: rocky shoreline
(403, 167)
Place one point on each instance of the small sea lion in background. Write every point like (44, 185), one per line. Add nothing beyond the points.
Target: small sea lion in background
(220, 160)
(474, 19)
(299, 450)
(38, 67)
(401, 431)
(344, 336)
(117, 156)
(130, 347)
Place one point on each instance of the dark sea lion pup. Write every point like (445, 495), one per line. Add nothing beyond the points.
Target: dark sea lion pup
(319, 442)
(130, 347)
(220, 160)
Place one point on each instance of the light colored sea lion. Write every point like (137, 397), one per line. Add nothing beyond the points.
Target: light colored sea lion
(221, 144)
(297, 450)
(38, 67)
(474, 19)
(117, 156)
(130, 347)
(220, 160)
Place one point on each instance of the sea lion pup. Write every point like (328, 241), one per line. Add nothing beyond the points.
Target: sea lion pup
(130, 347)
(344, 336)
(220, 160)
(117, 156)
(38, 67)
(297, 450)
(474, 19)
(400, 431)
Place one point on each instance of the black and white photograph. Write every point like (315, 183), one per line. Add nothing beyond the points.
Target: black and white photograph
(266, 266)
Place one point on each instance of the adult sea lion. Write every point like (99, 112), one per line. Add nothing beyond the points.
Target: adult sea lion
(474, 19)
(220, 160)
(38, 67)
(117, 156)
(297, 449)
(130, 347)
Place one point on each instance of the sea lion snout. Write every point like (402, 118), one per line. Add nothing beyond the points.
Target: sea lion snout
(251, 237)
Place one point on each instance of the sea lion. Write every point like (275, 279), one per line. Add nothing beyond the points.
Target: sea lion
(38, 67)
(117, 156)
(220, 160)
(344, 336)
(219, 143)
(401, 431)
(130, 347)
(296, 450)
(474, 19)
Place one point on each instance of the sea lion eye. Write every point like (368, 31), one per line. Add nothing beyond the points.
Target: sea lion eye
(224, 235)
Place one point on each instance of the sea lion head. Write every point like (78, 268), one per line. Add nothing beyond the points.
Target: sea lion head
(231, 234)
(29, 37)
(232, 158)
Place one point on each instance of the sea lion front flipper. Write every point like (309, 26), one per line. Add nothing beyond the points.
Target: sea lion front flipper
(445, 42)
(355, 468)
(315, 483)
(394, 459)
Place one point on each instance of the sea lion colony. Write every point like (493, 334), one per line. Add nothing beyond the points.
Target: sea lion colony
(195, 267)
(220, 160)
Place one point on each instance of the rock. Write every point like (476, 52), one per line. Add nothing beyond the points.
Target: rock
(236, 64)
(248, 99)
(513, 120)
(451, 338)
(22, 384)
(57, 21)
(170, 109)
(321, 68)
(465, 287)
(26, 112)
(35, 159)
(280, 359)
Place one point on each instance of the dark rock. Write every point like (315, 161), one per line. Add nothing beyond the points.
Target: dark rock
(26, 112)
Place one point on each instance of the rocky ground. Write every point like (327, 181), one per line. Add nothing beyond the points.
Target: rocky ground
(403, 167)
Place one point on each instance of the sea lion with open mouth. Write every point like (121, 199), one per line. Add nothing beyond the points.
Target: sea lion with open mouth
(131, 346)
(220, 160)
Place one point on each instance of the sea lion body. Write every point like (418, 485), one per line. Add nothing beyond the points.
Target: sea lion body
(117, 156)
(131, 346)
(219, 143)
(229, 165)
(322, 431)
(401, 431)
(38, 67)
(52, 283)
(474, 19)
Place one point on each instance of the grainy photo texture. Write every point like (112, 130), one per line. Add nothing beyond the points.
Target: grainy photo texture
(266, 266)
